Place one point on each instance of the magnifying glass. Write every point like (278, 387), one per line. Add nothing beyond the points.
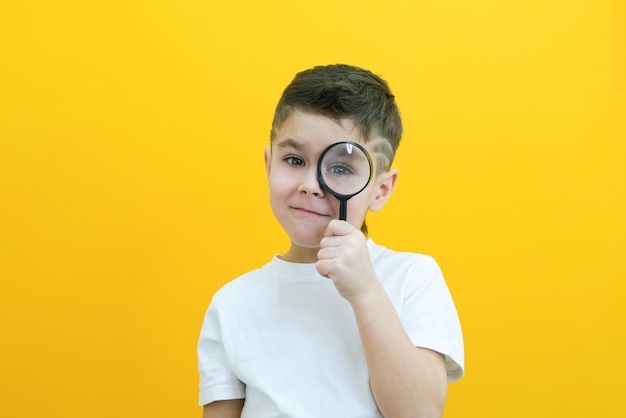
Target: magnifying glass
(344, 170)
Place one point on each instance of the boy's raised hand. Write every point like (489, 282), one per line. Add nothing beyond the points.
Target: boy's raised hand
(344, 258)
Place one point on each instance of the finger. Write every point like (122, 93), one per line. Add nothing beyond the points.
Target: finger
(323, 268)
(331, 241)
(337, 227)
(327, 253)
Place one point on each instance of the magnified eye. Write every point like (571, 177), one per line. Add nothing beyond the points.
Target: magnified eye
(340, 170)
(344, 170)
(291, 160)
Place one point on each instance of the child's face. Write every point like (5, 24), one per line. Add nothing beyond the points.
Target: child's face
(298, 201)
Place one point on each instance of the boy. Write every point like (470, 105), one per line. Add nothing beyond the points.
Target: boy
(337, 326)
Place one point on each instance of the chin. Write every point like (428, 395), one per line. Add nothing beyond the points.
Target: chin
(306, 239)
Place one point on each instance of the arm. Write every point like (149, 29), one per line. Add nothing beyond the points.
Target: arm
(406, 381)
(223, 409)
(215, 370)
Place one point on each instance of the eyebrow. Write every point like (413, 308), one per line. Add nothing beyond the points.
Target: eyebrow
(289, 142)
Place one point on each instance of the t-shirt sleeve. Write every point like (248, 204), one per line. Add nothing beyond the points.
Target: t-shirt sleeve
(217, 381)
(430, 316)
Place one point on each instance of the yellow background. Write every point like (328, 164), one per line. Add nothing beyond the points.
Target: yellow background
(132, 186)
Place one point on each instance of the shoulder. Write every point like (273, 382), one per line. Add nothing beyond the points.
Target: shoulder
(241, 287)
(252, 287)
(404, 273)
(389, 260)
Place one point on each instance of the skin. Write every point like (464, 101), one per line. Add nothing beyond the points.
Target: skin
(406, 381)
(223, 409)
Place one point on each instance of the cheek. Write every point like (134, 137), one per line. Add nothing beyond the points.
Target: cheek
(274, 190)
(358, 205)
(366, 197)
(278, 187)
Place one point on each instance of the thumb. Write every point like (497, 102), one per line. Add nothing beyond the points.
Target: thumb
(337, 228)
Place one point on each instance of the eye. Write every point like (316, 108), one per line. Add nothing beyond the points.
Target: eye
(295, 161)
(339, 169)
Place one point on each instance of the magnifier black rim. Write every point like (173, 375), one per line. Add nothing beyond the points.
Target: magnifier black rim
(320, 177)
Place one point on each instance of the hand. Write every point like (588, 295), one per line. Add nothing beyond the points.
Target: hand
(344, 258)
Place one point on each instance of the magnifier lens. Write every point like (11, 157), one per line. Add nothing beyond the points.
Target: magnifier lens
(345, 169)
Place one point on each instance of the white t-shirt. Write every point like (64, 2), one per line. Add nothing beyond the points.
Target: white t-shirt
(283, 338)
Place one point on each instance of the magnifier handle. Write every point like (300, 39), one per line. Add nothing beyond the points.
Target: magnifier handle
(343, 209)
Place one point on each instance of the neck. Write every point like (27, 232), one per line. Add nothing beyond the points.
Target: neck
(298, 254)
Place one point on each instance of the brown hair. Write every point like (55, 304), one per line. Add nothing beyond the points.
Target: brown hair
(344, 91)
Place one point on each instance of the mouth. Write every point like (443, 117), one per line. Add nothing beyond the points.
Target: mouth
(308, 212)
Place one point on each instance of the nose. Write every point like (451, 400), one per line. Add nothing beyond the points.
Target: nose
(309, 184)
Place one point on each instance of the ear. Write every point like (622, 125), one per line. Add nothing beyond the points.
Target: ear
(385, 185)
(268, 160)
